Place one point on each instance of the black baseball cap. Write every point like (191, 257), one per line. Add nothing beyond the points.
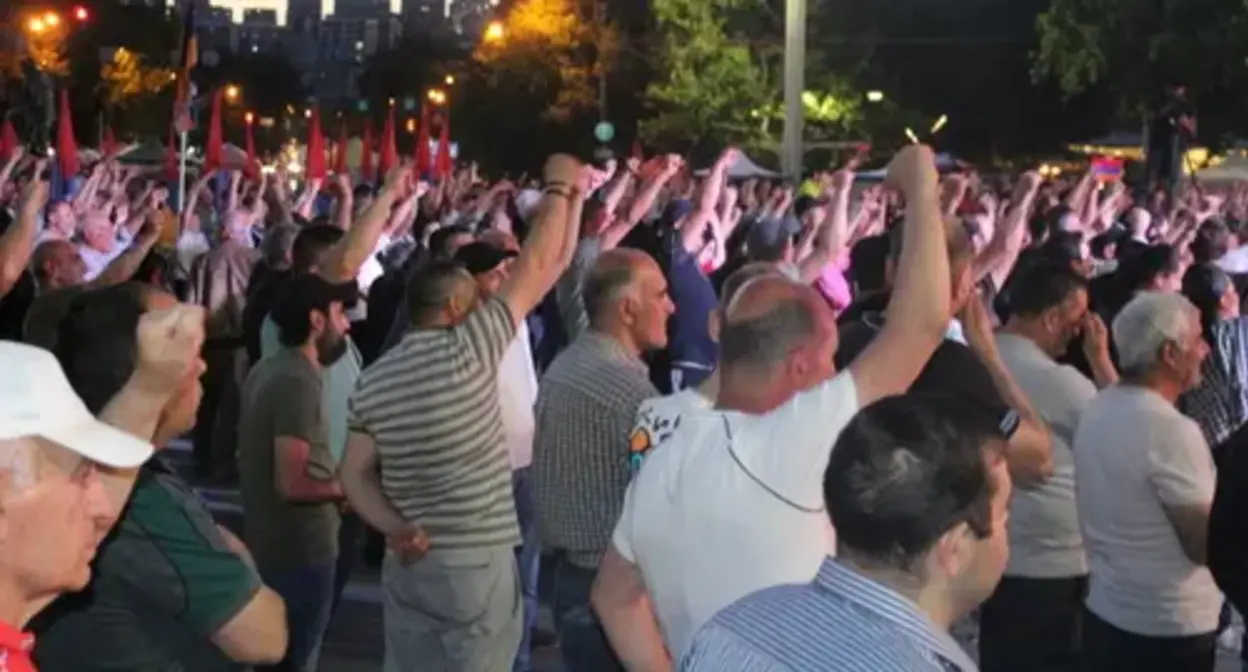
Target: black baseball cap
(478, 258)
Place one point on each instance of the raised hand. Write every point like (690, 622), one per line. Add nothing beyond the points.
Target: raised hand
(169, 343)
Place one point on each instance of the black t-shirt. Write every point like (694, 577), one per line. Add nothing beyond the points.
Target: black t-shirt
(953, 369)
(1165, 126)
(13, 307)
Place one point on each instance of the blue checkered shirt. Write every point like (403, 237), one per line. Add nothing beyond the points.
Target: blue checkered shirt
(840, 622)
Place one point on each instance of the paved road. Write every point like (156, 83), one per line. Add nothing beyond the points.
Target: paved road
(355, 639)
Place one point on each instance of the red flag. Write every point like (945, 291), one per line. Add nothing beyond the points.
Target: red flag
(66, 147)
(8, 139)
(442, 164)
(108, 144)
(340, 151)
(424, 162)
(251, 167)
(316, 168)
(171, 157)
(215, 146)
(366, 155)
(389, 154)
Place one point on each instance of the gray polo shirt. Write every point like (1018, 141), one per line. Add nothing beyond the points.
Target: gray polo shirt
(1044, 523)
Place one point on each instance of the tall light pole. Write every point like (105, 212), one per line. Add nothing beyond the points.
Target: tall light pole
(794, 84)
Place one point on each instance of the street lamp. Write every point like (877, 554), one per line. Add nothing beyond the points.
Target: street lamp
(875, 96)
(794, 85)
(52, 19)
(450, 80)
(36, 25)
(232, 92)
(437, 96)
(495, 32)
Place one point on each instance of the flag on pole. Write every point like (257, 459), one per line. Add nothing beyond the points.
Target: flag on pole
(190, 56)
(8, 140)
(366, 155)
(66, 146)
(215, 146)
(340, 151)
(316, 168)
(442, 165)
(424, 162)
(389, 154)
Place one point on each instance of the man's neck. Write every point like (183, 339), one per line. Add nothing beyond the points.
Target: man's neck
(16, 608)
(929, 601)
(309, 352)
(1164, 387)
(740, 391)
(1023, 329)
(621, 336)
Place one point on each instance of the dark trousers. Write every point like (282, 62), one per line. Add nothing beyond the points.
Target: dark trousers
(1110, 649)
(308, 594)
(350, 549)
(216, 421)
(582, 643)
(528, 562)
(1032, 625)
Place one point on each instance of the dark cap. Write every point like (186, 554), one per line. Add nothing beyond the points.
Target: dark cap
(478, 258)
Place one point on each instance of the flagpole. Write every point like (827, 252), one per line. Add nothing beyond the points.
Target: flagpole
(182, 139)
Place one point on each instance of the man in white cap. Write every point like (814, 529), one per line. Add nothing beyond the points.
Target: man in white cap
(65, 475)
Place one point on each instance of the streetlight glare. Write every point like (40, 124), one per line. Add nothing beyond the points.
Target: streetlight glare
(36, 25)
(450, 80)
(875, 96)
(495, 31)
(437, 96)
(231, 92)
(52, 19)
(248, 118)
(81, 13)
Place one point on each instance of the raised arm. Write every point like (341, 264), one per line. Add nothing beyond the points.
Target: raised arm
(919, 311)
(549, 247)
(348, 256)
(18, 242)
(832, 233)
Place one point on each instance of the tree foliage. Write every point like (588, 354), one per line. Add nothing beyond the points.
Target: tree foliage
(554, 52)
(1134, 47)
(710, 85)
(128, 80)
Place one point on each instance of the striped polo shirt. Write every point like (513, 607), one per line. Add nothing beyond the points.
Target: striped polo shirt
(840, 622)
(431, 405)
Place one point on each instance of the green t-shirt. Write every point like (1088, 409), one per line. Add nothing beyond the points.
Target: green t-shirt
(164, 581)
(282, 398)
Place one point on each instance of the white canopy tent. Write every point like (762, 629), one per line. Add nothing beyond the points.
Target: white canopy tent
(1234, 169)
(743, 168)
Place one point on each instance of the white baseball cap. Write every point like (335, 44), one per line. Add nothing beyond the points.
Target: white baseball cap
(37, 400)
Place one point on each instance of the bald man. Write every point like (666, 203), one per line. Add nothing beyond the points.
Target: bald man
(585, 409)
(731, 500)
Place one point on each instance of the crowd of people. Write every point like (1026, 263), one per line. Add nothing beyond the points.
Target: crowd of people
(744, 425)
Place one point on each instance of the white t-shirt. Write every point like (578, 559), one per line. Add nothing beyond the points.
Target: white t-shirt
(517, 394)
(657, 419)
(729, 503)
(1135, 452)
(1044, 522)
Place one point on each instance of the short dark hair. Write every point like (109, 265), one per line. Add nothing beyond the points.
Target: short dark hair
(298, 296)
(430, 287)
(766, 339)
(1141, 269)
(440, 241)
(1041, 286)
(311, 245)
(903, 472)
(1212, 241)
(97, 343)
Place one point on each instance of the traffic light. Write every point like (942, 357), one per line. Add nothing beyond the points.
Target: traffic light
(81, 13)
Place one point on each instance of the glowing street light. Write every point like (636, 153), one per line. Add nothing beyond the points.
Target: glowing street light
(36, 25)
(437, 96)
(450, 80)
(52, 19)
(875, 96)
(232, 92)
(495, 32)
(81, 13)
(249, 118)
